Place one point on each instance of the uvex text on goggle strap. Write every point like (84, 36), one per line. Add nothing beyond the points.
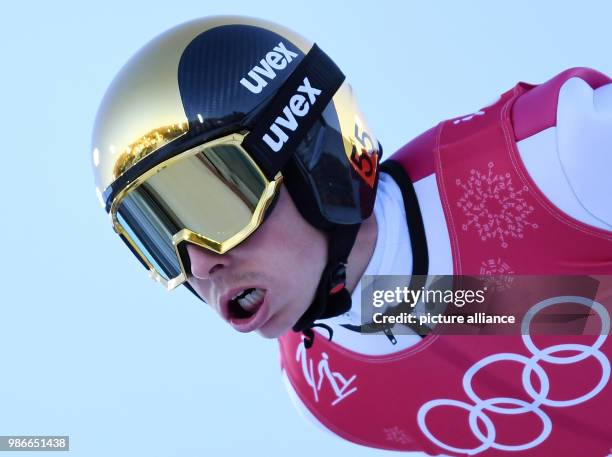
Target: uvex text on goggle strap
(216, 194)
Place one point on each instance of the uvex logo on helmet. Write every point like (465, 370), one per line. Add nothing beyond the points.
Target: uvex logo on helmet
(277, 59)
(298, 106)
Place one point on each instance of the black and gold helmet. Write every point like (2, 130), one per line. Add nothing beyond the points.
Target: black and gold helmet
(225, 87)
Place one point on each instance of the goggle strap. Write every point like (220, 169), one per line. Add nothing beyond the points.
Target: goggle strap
(277, 131)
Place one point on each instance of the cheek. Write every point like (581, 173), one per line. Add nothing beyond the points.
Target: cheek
(300, 248)
(291, 254)
(300, 260)
(288, 242)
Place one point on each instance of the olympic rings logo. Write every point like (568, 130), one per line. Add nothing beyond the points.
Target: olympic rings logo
(540, 397)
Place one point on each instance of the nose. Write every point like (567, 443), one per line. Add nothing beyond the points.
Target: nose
(204, 262)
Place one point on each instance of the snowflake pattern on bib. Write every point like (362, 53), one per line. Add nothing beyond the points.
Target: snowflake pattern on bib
(496, 274)
(494, 207)
(493, 267)
(396, 435)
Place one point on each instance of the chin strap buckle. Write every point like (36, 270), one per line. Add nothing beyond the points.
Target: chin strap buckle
(337, 280)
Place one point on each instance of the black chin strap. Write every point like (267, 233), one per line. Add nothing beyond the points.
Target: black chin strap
(331, 298)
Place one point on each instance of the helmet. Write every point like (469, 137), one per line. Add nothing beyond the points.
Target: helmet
(211, 79)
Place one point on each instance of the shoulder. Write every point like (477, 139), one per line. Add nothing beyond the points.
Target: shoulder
(536, 109)
(533, 111)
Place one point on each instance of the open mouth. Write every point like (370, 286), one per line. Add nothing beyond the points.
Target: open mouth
(248, 310)
(245, 304)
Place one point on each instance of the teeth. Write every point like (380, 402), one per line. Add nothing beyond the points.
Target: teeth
(251, 300)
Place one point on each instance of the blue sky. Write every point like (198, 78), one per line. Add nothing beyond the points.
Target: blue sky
(91, 347)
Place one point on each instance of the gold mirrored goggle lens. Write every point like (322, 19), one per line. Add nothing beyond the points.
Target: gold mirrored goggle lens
(213, 196)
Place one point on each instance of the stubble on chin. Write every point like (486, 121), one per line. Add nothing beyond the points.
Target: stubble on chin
(278, 324)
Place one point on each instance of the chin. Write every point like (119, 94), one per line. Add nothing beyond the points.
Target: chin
(274, 328)
(267, 334)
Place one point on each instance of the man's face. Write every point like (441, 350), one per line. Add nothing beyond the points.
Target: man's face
(283, 258)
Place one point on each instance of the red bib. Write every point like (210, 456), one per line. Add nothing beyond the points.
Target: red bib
(485, 395)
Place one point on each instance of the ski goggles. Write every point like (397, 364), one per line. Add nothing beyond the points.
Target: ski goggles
(213, 195)
(216, 194)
